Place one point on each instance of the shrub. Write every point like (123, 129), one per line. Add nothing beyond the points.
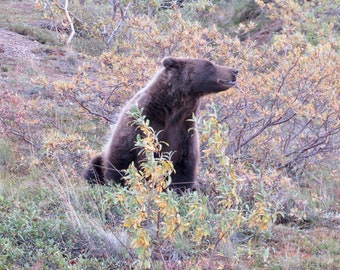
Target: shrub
(284, 112)
(157, 220)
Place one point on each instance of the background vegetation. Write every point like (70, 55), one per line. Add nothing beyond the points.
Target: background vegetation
(269, 174)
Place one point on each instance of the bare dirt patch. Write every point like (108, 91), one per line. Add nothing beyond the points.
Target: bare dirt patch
(22, 60)
(16, 60)
(13, 45)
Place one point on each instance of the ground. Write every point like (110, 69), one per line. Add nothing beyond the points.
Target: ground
(23, 57)
(15, 49)
(13, 45)
(19, 55)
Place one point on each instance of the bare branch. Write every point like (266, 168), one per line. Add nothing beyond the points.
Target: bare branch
(68, 42)
(101, 115)
(58, 5)
(108, 39)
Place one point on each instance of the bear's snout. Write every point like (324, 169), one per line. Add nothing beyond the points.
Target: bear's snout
(233, 76)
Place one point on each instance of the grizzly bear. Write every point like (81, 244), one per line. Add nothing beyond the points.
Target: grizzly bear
(168, 101)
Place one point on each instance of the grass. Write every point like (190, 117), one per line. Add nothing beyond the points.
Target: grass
(314, 248)
(23, 18)
(53, 226)
(38, 34)
(51, 219)
(17, 12)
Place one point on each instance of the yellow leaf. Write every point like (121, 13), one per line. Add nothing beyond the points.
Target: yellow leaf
(142, 240)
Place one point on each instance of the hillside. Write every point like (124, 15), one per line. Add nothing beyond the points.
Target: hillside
(269, 177)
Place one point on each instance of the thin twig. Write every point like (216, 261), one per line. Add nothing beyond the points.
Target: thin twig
(68, 42)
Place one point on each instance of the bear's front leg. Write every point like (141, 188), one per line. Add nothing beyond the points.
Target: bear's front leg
(184, 179)
(185, 162)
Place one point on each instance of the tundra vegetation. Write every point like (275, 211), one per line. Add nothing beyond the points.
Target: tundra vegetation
(269, 176)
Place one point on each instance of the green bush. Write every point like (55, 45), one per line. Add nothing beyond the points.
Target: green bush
(43, 36)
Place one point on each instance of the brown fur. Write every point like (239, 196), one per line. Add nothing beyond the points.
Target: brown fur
(168, 101)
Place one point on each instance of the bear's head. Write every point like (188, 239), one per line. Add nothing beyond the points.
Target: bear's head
(203, 76)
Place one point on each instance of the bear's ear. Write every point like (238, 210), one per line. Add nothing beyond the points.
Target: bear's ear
(170, 62)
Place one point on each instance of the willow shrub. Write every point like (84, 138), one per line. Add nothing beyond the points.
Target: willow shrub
(158, 220)
(284, 113)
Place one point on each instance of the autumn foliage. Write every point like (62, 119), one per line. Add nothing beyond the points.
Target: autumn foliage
(278, 128)
(285, 112)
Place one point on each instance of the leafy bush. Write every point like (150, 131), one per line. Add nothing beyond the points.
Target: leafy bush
(104, 20)
(284, 113)
(157, 221)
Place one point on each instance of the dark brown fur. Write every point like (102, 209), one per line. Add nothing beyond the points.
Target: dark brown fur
(168, 101)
